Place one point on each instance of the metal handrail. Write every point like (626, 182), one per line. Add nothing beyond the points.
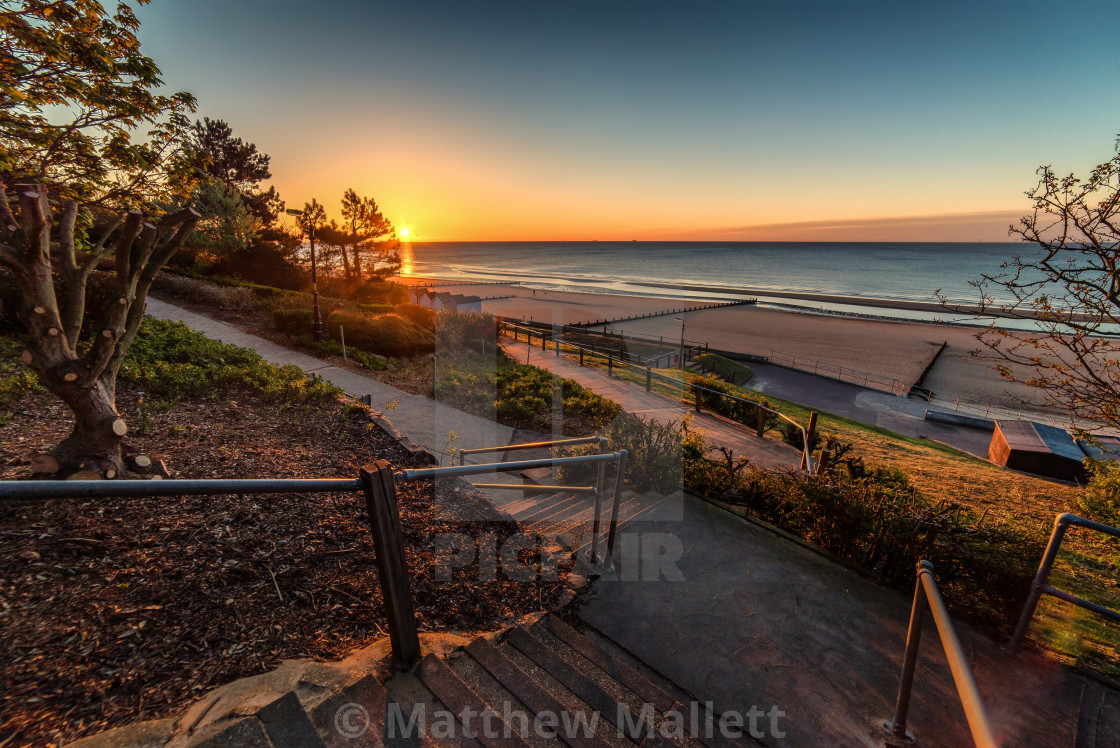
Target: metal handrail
(100, 489)
(1039, 586)
(926, 595)
(528, 445)
(598, 490)
(455, 471)
(806, 453)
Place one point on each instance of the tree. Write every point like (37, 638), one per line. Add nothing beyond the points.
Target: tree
(116, 144)
(237, 164)
(83, 372)
(369, 237)
(113, 139)
(226, 225)
(1069, 285)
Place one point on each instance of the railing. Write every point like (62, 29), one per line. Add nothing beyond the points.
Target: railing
(548, 335)
(1040, 586)
(644, 374)
(926, 595)
(838, 372)
(379, 484)
(598, 490)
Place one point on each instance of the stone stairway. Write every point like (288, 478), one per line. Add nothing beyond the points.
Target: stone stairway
(568, 518)
(540, 683)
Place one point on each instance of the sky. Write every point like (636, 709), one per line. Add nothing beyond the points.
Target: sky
(728, 120)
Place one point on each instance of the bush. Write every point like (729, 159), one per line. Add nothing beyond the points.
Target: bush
(524, 400)
(718, 397)
(417, 315)
(1100, 500)
(449, 329)
(725, 368)
(237, 299)
(168, 360)
(294, 321)
(387, 334)
(656, 460)
(479, 326)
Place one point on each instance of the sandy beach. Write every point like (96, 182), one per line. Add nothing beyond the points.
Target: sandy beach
(888, 349)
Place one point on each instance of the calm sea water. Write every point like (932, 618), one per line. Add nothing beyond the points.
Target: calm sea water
(905, 271)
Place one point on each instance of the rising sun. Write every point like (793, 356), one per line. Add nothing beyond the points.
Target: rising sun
(405, 233)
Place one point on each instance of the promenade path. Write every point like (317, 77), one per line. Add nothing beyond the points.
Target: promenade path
(767, 453)
(743, 617)
(426, 422)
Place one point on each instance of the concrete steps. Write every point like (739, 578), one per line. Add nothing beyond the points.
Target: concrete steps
(537, 684)
(569, 518)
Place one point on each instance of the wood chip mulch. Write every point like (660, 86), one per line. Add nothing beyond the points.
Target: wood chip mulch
(120, 610)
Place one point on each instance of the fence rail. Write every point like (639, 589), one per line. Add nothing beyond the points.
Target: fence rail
(926, 595)
(1040, 586)
(644, 374)
(841, 373)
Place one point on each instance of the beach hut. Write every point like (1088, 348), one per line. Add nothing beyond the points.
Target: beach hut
(468, 304)
(442, 301)
(424, 299)
(1037, 448)
(415, 293)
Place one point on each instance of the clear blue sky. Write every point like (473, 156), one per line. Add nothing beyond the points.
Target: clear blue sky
(530, 120)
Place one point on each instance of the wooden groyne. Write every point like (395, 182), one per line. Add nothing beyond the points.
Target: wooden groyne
(596, 323)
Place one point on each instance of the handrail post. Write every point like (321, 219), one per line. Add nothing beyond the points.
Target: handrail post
(896, 730)
(619, 482)
(600, 482)
(385, 525)
(808, 439)
(1039, 584)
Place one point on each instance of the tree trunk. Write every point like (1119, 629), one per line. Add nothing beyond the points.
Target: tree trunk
(357, 263)
(95, 442)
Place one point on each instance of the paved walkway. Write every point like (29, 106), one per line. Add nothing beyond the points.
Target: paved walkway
(741, 616)
(767, 453)
(423, 420)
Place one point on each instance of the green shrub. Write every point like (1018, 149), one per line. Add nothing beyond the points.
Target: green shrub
(717, 396)
(372, 309)
(417, 315)
(297, 321)
(387, 334)
(479, 326)
(1100, 500)
(449, 329)
(168, 360)
(726, 369)
(16, 379)
(656, 459)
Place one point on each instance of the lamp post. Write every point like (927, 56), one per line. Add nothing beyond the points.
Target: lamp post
(317, 327)
(681, 357)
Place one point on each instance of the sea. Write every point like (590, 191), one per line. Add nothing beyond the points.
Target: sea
(900, 271)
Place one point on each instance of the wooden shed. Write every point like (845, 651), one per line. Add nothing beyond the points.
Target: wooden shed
(1037, 448)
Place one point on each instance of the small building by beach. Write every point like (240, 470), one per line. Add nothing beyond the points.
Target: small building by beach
(442, 301)
(468, 304)
(1038, 449)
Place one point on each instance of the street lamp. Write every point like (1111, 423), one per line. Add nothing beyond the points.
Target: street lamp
(681, 356)
(317, 328)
